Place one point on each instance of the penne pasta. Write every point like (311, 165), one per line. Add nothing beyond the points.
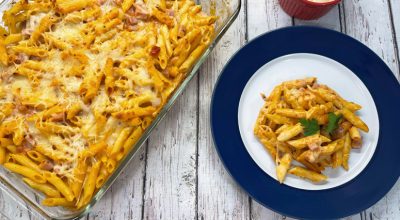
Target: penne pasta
(290, 132)
(307, 174)
(25, 161)
(47, 189)
(283, 167)
(25, 171)
(80, 172)
(346, 151)
(3, 155)
(87, 78)
(59, 185)
(57, 202)
(307, 124)
(354, 119)
(90, 184)
(35, 156)
(355, 137)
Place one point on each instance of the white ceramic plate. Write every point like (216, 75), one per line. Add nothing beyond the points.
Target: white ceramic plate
(327, 71)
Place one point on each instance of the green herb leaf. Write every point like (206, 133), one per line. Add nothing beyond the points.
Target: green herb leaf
(310, 126)
(333, 121)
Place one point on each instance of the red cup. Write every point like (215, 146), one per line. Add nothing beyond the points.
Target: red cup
(305, 9)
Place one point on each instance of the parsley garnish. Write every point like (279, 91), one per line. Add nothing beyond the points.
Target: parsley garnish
(310, 126)
(333, 121)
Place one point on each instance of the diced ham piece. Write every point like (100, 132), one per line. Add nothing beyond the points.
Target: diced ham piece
(141, 11)
(20, 107)
(46, 165)
(27, 144)
(118, 2)
(314, 146)
(131, 20)
(341, 130)
(131, 11)
(21, 149)
(155, 50)
(356, 144)
(27, 31)
(21, 58)
(30, 141)
(171, 12)
(181, 31)
(6, 75)
(57, 116)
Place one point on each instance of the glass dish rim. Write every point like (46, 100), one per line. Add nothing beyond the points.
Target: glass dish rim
(14, 192)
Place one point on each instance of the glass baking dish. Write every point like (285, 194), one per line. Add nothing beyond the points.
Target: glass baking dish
(12, 184)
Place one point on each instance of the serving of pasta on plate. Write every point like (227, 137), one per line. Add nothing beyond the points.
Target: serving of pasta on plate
(307, 127)
(82, 80)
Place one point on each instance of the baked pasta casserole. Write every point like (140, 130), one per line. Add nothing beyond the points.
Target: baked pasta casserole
(82, 79)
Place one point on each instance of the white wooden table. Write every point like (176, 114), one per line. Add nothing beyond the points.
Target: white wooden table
(178, 174)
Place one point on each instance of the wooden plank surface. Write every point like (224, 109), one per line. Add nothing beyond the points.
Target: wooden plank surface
(10, 209)
(371, 24)
(124, 199)
(395, 18)
(170, 188)
(265, 15)
(393, 196)
(218, 196)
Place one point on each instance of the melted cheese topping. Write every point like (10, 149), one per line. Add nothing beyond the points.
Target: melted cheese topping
(82, 74)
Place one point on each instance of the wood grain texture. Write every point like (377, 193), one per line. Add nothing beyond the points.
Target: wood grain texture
(395, 12)
(265, 15)
(124, 199)
(10, 209)
(13, 207)
(388, 207)
(371, 24)
(218, 196)
(170, 188)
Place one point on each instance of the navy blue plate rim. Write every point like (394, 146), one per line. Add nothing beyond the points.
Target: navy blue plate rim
(345, 200)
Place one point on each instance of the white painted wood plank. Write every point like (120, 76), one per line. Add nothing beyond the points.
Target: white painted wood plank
(259, 212)
(388, 207)
(265, 15)
(371, 24)
(354, 217)
(218, 196)
(11, 206)
(10, 209)
(331, 20)
(270, 215)
(395, 10)
(124, 200)
(170, 188)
